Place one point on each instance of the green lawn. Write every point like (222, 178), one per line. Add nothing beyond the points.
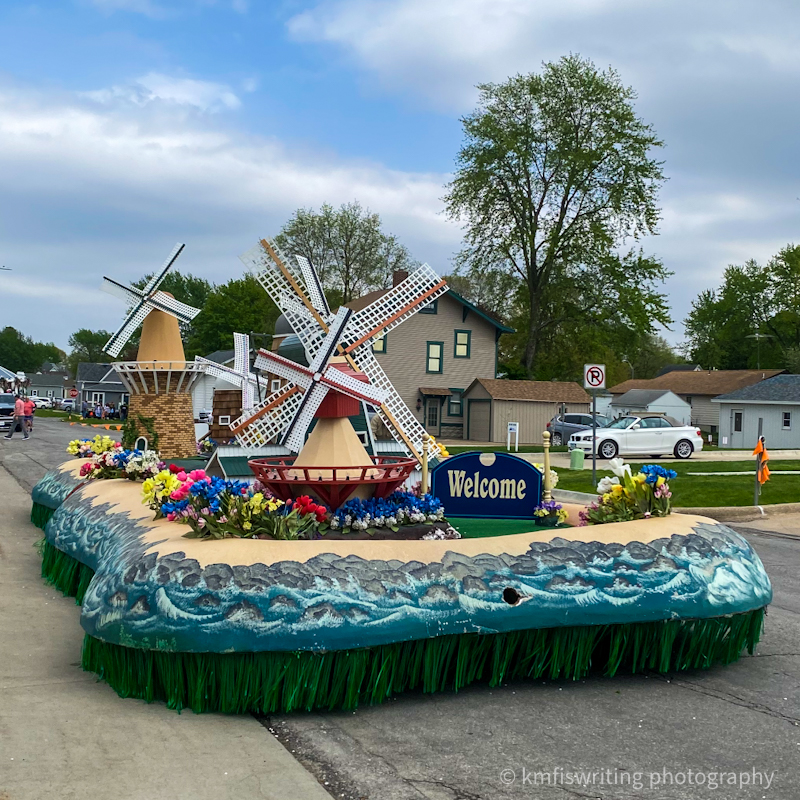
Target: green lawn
(712, 490)
(472, 528)
(495, 448)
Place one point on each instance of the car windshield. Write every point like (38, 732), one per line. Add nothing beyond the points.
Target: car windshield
(622, 422)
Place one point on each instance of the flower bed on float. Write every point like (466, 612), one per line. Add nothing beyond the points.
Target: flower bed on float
(624, 496)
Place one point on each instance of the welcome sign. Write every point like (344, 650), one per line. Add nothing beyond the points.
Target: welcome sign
(487, 485)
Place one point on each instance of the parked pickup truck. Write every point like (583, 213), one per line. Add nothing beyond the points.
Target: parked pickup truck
(6, 411)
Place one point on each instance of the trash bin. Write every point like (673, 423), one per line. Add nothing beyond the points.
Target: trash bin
(576, 458)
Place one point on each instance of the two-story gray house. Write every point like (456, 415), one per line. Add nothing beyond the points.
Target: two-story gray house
(431, 358)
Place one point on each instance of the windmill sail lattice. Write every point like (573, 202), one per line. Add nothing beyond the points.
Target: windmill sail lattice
(240, 375)
(143, 301)
(295, 288)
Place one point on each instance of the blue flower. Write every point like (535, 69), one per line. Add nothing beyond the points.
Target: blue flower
(655, 471)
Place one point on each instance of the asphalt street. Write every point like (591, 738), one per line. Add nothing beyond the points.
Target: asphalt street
(644, 736)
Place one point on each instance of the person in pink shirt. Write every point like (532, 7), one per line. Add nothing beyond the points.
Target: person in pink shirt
(19, 419)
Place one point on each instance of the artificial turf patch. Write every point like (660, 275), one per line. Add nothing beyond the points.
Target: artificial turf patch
(473, 528)
(267, 682)
(40, 515)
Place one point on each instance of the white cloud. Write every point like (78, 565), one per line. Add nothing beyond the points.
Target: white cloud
(90, 190)
(204, 95)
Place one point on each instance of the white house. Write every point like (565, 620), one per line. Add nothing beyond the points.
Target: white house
(653, 401)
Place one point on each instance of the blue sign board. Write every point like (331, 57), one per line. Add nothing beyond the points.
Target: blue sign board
(487, 485)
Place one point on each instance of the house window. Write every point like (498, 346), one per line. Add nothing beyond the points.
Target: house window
(49, 392)
(737, 421)
(431, 308)
(455, 406)
(787, 420)
(433, 414)
(689, 399)
(463, 344)
(34, 392)
(224, 420)
(98, 398)
(434, 359)
(275, 385)
(379, 344)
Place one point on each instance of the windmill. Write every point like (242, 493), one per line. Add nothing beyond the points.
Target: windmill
(294, 286)
(239, 375)
(143, 301)
(160, 381)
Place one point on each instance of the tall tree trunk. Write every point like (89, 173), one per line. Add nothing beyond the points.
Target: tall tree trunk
(532, 343)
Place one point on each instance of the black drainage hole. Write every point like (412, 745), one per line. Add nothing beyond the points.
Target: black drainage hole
(511, 596)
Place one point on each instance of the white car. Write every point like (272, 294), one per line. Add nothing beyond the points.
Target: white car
(42, 402)
(650, 434)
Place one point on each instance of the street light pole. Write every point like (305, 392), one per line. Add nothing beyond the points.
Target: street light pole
(758, 337)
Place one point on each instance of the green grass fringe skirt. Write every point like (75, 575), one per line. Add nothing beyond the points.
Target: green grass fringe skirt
(64, 572)
(40, 515)
(282, 682)
(267, 682)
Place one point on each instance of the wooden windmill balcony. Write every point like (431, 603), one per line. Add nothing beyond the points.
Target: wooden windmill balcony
(158, 377)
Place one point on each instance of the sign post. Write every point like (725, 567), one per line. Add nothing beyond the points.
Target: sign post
(594, 378)
(513, 428)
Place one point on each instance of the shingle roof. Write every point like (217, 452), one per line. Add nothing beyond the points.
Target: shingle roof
(680, 368)
(778, 389)
(434, 392)
(537, 391)
(48, 378)
(221, 356)
(94, 373)
(708, 383)
(639, 398)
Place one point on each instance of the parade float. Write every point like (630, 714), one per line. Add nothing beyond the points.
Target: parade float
(332, 579)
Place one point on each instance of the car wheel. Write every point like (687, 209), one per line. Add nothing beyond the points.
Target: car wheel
(608, 449)
(683, 449)
(556, 439)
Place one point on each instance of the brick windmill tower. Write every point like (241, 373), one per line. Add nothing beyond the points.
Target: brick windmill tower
(160, 380)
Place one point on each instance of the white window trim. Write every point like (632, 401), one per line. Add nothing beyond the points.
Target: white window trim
(224, 420)
(275, 385)
(784, 426)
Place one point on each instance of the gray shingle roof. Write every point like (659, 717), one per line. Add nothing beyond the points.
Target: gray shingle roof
(639, 398)
(778, 389)
(49, 379)
(221, 356)
(94, 373)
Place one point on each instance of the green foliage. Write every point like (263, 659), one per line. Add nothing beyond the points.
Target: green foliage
(239, 305)
(131, 431)
(347, 247)
(87, 346)
(554, 177)
(20, 352)
(752, 299)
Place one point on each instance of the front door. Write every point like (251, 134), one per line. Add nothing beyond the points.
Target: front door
(737, 428)
(432, 416)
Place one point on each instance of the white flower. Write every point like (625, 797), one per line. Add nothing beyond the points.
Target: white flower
(619, 467)
(606, 483)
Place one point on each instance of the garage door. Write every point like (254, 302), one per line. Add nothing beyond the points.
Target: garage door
(478, 425)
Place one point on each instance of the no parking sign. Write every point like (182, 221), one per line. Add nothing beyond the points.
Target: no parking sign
(594, 376)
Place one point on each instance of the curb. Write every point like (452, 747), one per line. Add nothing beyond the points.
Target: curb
(105, 427)
(741, 513)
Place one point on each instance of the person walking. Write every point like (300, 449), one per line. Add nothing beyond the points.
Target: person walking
(19, 419)
(30, 409)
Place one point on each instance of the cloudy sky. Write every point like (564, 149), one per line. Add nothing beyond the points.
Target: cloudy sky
(129, 125)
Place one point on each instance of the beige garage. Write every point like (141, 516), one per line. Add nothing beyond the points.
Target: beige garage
(492, 403)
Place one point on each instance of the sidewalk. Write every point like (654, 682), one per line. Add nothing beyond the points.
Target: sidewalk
(64, 735)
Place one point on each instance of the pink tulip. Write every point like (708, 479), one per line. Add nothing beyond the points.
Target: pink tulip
(181, 476)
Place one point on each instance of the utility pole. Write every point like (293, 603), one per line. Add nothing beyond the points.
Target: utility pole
(758, 337)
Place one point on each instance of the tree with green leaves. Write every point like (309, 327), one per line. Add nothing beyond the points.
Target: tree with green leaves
(239, 305)
(87, 345)
(753, 300)
(347, 246)
(21, 353)
(554, 178)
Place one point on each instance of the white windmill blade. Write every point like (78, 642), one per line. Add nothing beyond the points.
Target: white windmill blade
(268, 361)
(120, 338)
(400, 420)
(130, 294)
(165, 302)
(294, 437)
(331, 341)
(241, 350)
(308, 330)
(313, 286)
(394, 307)
(221, 371)
(155, 281)
(269, 274)
(268, 418)
(352, 387)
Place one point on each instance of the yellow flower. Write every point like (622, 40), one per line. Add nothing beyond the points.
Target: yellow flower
(617, 488)
(247, 525)
(639, 477)
(660, 481)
